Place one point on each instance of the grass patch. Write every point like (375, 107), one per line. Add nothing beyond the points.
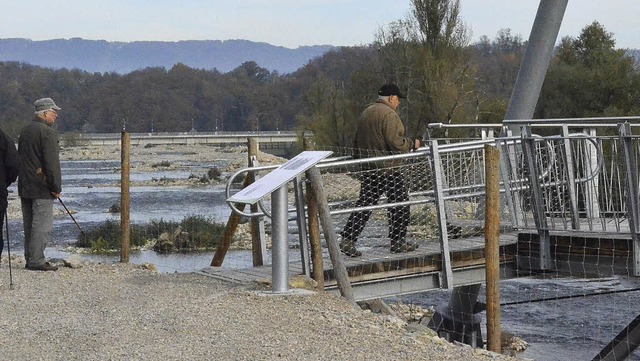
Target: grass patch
(193, 234)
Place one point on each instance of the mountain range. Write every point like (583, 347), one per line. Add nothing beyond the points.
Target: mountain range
(124, 57)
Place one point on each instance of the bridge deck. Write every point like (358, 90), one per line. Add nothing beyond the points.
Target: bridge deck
(382, 274)
(379, 273)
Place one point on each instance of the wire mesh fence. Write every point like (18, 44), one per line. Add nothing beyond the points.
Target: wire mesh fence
(570, 197)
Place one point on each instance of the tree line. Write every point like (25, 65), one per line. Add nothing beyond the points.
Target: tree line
(428, 54)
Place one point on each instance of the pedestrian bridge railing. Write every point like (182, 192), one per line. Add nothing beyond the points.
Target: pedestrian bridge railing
(562, 175)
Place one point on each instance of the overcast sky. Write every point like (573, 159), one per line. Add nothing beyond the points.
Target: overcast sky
(289, 23)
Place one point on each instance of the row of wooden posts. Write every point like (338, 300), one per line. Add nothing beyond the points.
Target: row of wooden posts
(319, 215)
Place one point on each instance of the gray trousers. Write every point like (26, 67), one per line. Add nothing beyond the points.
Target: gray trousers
(37, 219)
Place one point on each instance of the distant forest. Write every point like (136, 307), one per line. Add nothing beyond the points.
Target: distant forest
(447, 80)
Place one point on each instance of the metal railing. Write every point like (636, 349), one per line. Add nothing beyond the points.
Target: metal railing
(577, 175)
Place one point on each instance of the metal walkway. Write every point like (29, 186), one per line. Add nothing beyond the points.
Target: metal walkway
(567, 207)
(374, 275)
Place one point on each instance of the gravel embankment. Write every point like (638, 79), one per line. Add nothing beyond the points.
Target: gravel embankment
(123, 312)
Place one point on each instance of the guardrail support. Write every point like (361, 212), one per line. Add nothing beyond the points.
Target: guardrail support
(538, 207)
(446, 273)
(633, 209)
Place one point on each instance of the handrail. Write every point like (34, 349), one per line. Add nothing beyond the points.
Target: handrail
(569, 120)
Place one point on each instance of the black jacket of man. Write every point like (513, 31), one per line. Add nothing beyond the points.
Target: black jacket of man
(40, 174)
(9, 166)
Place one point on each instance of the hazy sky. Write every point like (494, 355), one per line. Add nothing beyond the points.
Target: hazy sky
(288, 23)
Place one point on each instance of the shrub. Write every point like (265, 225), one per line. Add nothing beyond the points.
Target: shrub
(214, 173)
(202, 232)
(164, 163)
(115, 208)
(72, 139)
(197, 233)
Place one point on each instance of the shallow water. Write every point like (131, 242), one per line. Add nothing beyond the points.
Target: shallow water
(166, 263)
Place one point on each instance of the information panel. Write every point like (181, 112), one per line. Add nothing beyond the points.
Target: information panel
(278, 177)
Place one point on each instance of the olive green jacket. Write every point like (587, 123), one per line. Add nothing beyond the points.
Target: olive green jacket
(381, 132)
(40, 174)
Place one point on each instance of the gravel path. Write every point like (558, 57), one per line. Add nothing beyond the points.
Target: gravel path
(123, 312)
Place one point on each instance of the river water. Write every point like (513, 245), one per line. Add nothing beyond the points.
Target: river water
(90, 189)
(574, 328)
(569, 329)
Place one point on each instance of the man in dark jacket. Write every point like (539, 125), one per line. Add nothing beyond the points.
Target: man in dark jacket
(9, 165)
(381, 132)
(40, 182)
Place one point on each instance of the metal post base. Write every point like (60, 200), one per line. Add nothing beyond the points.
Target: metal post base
(457, 320)
(289, 292)
(451, 329)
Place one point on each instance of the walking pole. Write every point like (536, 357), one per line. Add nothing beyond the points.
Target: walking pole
(6, 219)
(74, 220)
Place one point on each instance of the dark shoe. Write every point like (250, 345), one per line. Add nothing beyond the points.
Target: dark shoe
(349, 249)
(403, 247)
(43, 267)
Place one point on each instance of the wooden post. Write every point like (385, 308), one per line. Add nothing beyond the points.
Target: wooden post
(227, 235)
(342, 277)
(492, 247)
(125, 226)
(314, 238)
(314, 228)
(234, 218)
(256, 249)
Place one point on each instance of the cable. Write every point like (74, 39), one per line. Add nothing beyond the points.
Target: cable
(569, 296)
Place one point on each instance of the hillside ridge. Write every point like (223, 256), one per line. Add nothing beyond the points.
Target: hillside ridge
(124, 57)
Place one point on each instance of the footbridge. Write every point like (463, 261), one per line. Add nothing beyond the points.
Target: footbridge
(569, 206)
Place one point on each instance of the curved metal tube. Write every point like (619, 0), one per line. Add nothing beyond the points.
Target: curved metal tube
(231, 181)
(596, 145)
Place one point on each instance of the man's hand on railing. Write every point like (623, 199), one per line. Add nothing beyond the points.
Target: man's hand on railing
(417, 142)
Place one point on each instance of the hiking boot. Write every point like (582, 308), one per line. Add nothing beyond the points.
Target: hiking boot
(349, 248)
(43, 267)
(403, 247)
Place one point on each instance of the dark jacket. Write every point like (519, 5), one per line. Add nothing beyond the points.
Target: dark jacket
(9, 165)
(40, 161)
(381, 132)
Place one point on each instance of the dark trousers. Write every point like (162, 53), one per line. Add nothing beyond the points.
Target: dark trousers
(373, 185)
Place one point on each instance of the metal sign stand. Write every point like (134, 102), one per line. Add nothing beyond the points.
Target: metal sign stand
(275, 183)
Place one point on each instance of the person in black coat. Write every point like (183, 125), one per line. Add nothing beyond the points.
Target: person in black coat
(9, 166)
(39, 182)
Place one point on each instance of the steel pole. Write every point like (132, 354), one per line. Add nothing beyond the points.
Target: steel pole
(535, 62)
(280, 249)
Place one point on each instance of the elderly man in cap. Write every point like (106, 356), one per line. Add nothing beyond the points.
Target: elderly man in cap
(381, 132)
(39, 182)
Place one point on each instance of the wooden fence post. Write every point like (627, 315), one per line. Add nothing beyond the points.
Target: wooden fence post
(257, 227)
(125, 226)
(492, 246)
(314, 228)
(234, 218)
(342, 277)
